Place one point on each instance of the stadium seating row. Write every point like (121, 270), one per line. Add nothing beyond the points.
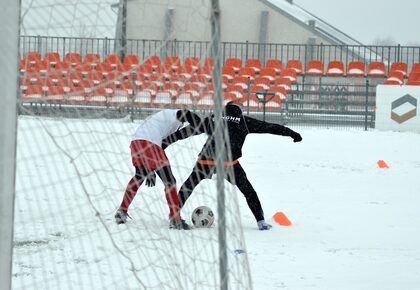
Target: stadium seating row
(233, 66)
(113, 81)
(149, 96)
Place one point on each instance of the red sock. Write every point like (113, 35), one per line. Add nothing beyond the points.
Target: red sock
(130, 193)
(173, 202)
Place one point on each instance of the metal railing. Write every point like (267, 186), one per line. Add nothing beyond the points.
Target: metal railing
(242, 50)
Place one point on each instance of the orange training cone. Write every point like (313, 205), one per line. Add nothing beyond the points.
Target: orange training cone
(281, 219)
(382, 164)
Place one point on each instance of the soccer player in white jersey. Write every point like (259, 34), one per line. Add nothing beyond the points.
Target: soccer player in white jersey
(148, 157)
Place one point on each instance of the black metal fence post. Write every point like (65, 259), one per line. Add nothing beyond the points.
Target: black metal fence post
(248, 95)
(366, 104)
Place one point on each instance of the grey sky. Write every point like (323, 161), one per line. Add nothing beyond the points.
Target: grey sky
(368, 20)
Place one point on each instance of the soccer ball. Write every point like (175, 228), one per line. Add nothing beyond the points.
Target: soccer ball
(202, 217)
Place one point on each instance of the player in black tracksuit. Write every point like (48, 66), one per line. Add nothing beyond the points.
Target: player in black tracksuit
(239, 126)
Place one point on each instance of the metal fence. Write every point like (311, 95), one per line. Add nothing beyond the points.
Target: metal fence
(243, 50)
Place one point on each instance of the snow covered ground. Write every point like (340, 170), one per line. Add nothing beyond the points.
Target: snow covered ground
(355, 226)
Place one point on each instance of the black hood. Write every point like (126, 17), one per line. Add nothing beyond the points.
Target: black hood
(231, 109)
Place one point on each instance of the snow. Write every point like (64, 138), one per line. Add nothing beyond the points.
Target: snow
(355, 226)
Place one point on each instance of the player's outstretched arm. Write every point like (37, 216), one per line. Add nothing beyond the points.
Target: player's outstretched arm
(257, 126)
(187, 116)
(196, 126)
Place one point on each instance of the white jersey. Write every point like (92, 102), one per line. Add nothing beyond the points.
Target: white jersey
(158, 126)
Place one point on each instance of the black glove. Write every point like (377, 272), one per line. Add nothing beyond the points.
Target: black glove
(151, 179)
(296, 137)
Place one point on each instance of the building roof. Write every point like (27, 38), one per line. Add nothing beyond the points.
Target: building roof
(321, 27)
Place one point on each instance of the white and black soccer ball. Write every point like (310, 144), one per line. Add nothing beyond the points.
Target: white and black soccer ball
(202, 217)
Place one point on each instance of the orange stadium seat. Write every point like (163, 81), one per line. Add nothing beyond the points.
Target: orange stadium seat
(195, 89)
(314, 67)
(174, 88)
(234, 62)
(399, 66)
(268, 73)
(130, 61)
(84, 69)
(290, 74)
(284, 82)
(356, 68)
(92, 59)
(187, 71)
(104, 68)
(335, 68)
(275, 64)
(153, 61)
(262, 81)
(33, 57)
(52, 58)
(247, 72)
(193, 62)
(95, 77)
(73, 59)
(112, 59)
(199, 79)
(415, 68)
(34, 92)
(75, 77)
(55, 94)
(229, 72)
(98, 95)
(50, 80)
(376, 69)
(209, 87)
(43, 68)
(62, 67)
(254, 64)
(280, 92)
(173, 62)
(241, 81)
(231, 96)
(275, 102)
(414, 79)
(180, 80)
(257, 88)
(208, 62)
(207, 70)
(145, 70)
(395, 78)
(296, 65)
(238, 90)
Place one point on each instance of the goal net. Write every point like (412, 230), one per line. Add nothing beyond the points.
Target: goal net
(82, 93)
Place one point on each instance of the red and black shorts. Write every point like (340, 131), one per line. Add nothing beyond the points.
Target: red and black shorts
(148, 154)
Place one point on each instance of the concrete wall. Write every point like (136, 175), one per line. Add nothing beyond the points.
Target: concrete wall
(240, 21)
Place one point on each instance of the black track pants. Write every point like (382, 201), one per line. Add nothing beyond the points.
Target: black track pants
(201, 172)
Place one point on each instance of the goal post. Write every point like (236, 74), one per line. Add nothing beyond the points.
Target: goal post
(220, 143)
(9, 33)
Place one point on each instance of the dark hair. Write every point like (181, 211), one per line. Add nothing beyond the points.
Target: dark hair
(233, 102)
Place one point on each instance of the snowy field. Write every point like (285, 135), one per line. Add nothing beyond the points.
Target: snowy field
(355, 226)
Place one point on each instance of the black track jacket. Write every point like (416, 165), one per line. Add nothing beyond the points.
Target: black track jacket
(238, 127)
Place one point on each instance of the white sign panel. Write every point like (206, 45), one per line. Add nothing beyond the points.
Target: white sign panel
(398, 108)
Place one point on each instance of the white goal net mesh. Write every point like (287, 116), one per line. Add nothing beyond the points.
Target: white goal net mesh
(73, 162)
